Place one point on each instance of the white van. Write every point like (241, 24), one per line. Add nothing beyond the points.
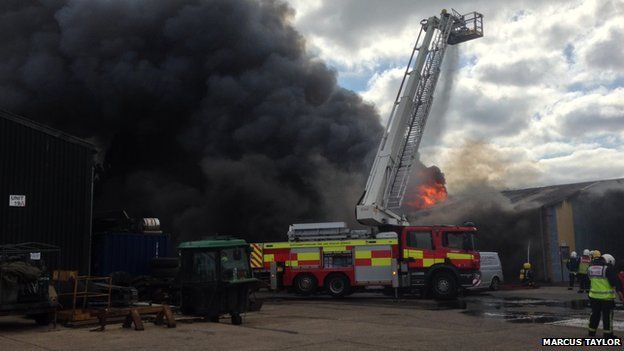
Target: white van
(491, 271)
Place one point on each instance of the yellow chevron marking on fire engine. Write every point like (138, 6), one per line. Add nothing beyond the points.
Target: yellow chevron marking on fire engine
(308, 256)
(292, 263)
(381, 261)
(285, 245)
(408, 253)
(269, 258)
(361, 254)
(255, 263)
(256, 256)
(458, 256)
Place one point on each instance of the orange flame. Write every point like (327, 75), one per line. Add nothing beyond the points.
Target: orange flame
(427, 195)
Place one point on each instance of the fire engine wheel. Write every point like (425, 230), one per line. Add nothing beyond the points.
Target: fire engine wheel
(305, 284)
(337, 285)
(444, 286)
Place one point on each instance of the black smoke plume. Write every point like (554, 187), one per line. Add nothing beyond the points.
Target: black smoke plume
(209, 114)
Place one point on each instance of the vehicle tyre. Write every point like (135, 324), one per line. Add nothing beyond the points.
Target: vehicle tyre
(444, 286)
(495, 284)
(43, 318)
(337, 285)
(165, 262)
(237, 319)
(305, 284)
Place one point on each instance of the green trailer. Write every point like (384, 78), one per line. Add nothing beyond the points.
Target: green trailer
(215, 279)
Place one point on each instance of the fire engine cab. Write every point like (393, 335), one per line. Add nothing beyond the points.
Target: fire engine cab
(329, 257)
(392, 253)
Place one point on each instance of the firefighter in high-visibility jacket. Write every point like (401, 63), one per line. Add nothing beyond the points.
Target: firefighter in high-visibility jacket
(526, 275)
(605, 287)
(582, 271)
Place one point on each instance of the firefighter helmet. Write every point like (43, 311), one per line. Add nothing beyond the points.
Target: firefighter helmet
(596, 254)
(527, 265)
(609, 259)
(586, 252)
(573, 254)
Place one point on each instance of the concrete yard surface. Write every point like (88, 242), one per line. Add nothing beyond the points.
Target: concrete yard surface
(509, 320)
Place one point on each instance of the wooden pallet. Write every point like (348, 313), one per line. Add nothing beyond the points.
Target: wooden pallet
(134, 315)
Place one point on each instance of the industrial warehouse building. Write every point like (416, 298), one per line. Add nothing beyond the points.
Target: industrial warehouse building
(539, 225)
(46, 182)
(573, 217)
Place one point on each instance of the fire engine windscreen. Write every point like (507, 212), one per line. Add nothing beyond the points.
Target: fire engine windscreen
(210, 114)
(460, 240)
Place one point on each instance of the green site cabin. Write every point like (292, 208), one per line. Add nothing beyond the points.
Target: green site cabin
(215, 243)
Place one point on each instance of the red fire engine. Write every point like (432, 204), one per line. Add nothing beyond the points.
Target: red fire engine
(393, 253)
(436, 259)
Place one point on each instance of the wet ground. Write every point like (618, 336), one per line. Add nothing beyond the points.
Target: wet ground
(546, 305)
(510, 320)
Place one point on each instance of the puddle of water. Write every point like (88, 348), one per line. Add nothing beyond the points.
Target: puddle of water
(582, 323)
(511, 302)
(535, 319)
(449, 305)
(518, 317)
(577, 304)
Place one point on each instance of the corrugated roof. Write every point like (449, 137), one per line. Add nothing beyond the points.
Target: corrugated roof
(522, 199)
(550, 195)
(45, 129)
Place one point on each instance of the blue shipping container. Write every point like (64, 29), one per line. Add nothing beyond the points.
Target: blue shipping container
(127, 252)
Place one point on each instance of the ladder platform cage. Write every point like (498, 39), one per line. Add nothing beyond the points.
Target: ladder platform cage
(466, 27)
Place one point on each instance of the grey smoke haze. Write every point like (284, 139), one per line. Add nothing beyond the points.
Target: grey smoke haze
(502, 227)
(210, 114)
(436, 123)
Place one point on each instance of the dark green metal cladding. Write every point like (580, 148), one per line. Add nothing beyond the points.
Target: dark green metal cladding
(54, 173)
(207, 244)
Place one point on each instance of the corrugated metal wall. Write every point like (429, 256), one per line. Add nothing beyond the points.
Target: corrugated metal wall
(128, 252)
(55, 173)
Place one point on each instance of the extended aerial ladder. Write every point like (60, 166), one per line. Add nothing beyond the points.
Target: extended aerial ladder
(340, 260)
(390, 173)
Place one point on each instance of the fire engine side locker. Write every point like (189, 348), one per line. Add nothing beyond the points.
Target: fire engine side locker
(373, 264)
(304, 257)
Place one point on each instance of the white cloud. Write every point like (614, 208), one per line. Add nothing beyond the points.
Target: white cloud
(382, 89)
(544, 86)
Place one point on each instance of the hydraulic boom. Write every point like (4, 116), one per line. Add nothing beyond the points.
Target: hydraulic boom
(390, 173)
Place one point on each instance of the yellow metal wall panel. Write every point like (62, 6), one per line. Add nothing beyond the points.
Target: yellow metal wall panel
(565, 225)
